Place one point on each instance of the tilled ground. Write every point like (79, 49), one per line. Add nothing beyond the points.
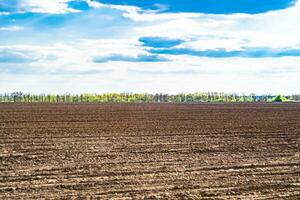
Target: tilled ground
(150, 151)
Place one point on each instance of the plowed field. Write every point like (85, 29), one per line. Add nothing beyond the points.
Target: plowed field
(150, 151)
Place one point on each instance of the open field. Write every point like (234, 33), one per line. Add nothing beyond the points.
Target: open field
(124, 151)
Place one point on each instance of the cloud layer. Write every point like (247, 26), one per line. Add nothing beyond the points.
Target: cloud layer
(137, 46)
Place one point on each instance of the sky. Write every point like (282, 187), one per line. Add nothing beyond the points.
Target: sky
(150, 46)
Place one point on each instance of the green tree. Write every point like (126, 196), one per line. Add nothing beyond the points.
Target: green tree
(279, 98)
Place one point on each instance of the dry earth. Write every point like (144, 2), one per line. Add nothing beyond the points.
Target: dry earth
(150, 151)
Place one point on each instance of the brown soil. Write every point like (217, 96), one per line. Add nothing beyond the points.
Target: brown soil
(150, 151)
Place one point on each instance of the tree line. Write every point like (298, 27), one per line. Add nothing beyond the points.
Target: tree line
(141, 98)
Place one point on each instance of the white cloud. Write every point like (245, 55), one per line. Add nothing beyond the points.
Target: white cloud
(11, 28)
(4, 13)
(75, 56)
(275, 29)
(66, 65)
(126, 9)
(171, 77)
(38, 6)
(53, 6)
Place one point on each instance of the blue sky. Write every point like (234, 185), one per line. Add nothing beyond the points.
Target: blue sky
(58, 46)
(207, 6)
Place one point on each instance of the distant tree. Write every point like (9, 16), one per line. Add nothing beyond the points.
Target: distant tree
(144, 98)
(280, 98)
(17, 96)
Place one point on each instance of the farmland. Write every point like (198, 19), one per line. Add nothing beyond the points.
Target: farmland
(150, 151)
